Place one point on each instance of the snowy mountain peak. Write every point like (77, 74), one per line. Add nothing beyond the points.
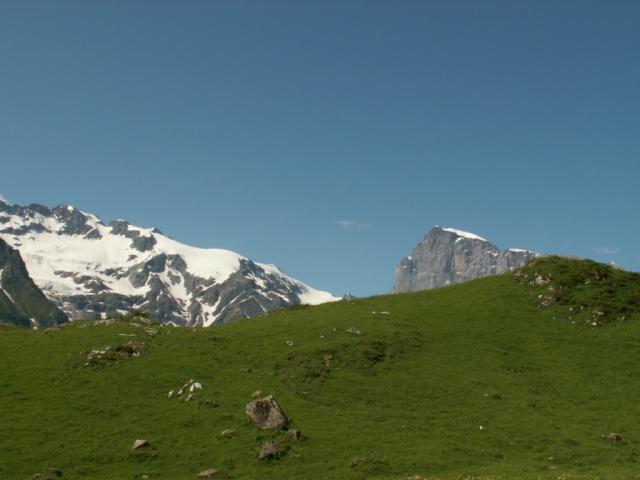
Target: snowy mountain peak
(91, 269)
(463, 234)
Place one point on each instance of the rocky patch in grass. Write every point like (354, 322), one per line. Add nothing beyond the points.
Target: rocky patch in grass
(266, 414)
(112, 355)
(582, 291)
(361, 355)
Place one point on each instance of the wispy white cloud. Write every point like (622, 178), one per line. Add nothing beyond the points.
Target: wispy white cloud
(353, 226)
(606, 251)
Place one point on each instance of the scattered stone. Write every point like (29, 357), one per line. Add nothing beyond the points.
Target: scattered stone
(256, 394)
(210, 472)
(140, 443)
(266, 413)
(109, 355)
(540, 281)
(228, 433)
(269, 450)
(615, 437)
(327, 360)
(191, 386)
(546, 300)
(49, 475)
(355, 461)
(294, 434)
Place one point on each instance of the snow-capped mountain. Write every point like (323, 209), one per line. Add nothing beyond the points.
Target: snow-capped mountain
(94, 270)
(448, 255)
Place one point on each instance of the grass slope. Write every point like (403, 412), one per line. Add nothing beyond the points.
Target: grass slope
(470, 381)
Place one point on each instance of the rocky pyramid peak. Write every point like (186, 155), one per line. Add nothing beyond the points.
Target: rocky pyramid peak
(448, 255)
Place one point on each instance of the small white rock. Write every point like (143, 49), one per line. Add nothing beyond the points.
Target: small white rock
(140, 443)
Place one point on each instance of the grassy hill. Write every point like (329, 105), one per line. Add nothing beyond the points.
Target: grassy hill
(514, 376)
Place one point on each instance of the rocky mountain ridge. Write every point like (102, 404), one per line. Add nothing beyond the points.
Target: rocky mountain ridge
(21, 301)
(447, 255)
(93, 270)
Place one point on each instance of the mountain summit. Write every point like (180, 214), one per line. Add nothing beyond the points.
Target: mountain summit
(448, 255)
(94, 270)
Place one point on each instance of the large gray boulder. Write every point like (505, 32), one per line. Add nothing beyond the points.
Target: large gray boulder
(266, 414)
(446, 256)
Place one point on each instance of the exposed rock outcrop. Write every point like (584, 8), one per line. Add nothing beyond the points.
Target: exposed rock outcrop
(446, 256)
(21, 301)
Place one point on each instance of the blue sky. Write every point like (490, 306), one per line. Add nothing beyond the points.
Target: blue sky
(328, 137)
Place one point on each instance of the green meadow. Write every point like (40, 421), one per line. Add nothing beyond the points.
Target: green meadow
(473, 381)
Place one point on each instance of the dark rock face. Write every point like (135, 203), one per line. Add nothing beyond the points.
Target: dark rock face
(21, 301)
(448, 256)
(139, 242)
(71, 220)
(75, 222)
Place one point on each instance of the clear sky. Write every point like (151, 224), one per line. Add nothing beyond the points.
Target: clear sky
(327, 137)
